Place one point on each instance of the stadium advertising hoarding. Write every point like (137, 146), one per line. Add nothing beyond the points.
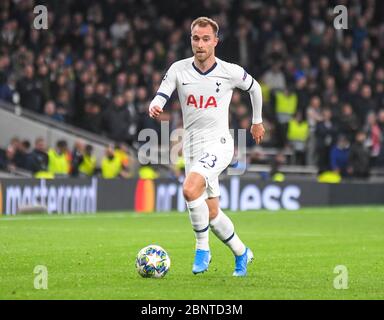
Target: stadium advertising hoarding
(237, 194)
(240, 194)
(60, 196)
(64, 196)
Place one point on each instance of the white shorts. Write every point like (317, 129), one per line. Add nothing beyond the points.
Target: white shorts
(210, 162)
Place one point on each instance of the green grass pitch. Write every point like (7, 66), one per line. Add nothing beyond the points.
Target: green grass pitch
(93, 256)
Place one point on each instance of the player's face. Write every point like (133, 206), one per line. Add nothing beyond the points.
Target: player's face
(203, 41)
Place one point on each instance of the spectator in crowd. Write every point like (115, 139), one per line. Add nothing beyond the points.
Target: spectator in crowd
(359, 156)
(23, 154)
(366, 103)
(349, 123)
(50, 111)
(39, 160)
(346, 54)
(374, 138)
(380, 122)
(302, 93)
(31, 96)
(313, 116)
(120, 28)
(117, 121)
(77, 157)
(351, 95)
(64, 105)
(7, 158)
(326, 132)
(93, 117)
(274, 78)
(339, 156)
(6, 92)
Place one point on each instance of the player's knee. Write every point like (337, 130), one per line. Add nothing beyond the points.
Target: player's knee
(213, 212)
(190, 192)
(193, 187)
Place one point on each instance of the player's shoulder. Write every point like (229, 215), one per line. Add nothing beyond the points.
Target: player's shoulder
(232, 69)
(183, 64)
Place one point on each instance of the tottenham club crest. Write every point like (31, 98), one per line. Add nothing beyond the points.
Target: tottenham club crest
(218, 84)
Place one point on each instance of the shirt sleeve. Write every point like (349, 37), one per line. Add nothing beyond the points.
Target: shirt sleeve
(244, 81)
(241, 79)
(167, 86)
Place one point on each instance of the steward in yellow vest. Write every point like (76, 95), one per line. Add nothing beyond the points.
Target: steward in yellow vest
(59, 162)
(110, 164)
(285, 105)
(297, 135)
(88, 164)
(298, 130)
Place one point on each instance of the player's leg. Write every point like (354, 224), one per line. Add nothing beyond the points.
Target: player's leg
(207, 165)
(222, 226)
(195, 195)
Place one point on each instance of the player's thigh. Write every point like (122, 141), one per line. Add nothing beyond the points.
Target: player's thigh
(213, 187)
(211, 162)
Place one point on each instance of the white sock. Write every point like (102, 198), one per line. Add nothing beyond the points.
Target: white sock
(223, 228)
(199, 216)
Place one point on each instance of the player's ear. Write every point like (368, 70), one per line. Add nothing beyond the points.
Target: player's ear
(216, 40)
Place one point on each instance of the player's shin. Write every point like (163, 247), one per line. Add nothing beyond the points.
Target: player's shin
(224, 229)
(199, 216)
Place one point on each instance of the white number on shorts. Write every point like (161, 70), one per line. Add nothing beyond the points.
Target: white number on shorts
(208, 159)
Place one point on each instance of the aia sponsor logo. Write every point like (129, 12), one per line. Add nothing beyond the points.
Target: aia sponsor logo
(201, 102)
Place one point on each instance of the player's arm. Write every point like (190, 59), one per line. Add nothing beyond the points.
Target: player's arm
(163, 94)
(246, 82)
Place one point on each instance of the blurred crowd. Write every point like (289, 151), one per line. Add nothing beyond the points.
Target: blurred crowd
(61, 162)
(100, 62)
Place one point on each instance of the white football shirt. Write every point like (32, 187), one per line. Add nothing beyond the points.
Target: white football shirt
(204, 99)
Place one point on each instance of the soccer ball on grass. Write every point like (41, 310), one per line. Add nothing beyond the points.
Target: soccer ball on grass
(152, 262)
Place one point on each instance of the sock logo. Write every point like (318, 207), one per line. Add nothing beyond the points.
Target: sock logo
(145, 196)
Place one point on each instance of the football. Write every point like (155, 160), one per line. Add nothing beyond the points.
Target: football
(152, 262)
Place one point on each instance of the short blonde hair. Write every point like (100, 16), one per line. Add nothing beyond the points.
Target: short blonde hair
(203, 22)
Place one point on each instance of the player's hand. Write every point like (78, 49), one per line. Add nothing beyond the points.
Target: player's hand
(257, 131)
(155, 111)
